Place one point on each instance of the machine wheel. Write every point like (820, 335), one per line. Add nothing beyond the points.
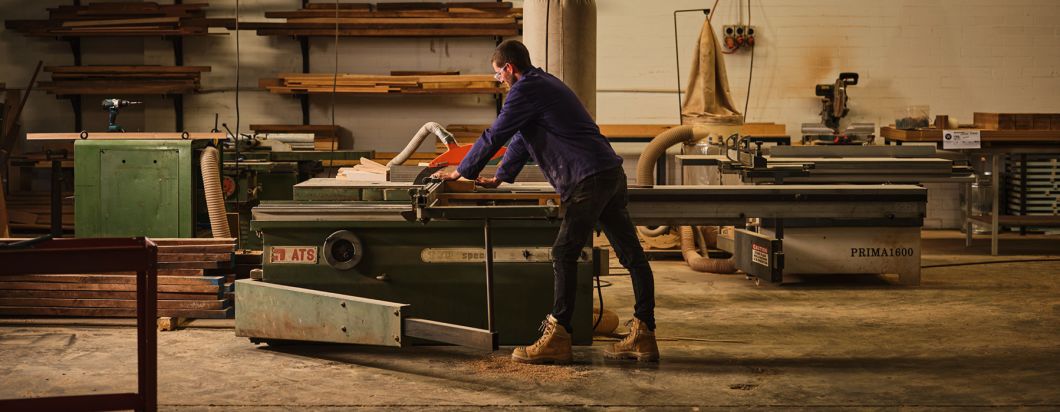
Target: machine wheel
(343, 250)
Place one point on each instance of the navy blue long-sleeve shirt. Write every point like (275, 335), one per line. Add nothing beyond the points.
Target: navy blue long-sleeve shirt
(545, 121)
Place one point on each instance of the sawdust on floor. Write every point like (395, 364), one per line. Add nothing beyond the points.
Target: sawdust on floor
(503, 367)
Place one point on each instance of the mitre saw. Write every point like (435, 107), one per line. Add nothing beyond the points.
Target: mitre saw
(834, 100)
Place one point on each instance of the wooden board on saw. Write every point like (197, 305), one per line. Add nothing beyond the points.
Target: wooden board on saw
(301, 83)
(394, 20)
(1017, 121)
(108, 80)
(194, 280)
(111, 19)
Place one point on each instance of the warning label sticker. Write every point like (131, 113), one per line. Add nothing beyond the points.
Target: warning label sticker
(760, 255)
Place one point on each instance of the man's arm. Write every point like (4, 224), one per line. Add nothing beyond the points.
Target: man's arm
(514, 159)
(518, 109)
(512, 163)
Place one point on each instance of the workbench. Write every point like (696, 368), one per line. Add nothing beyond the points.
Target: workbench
(998, 145)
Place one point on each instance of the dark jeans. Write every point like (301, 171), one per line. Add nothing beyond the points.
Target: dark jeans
(601, 197)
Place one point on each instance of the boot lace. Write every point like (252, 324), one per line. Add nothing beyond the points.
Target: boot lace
(546, 330)
(628, 340)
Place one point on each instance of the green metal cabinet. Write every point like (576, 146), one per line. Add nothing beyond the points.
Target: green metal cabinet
(136, 187)
(396, 267)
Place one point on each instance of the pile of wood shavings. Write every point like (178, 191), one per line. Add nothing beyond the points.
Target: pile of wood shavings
(503, 366)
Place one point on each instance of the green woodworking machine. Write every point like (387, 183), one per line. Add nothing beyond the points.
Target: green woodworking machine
(388, 263)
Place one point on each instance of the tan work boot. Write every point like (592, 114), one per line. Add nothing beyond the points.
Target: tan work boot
(552, 347)
(639, 344)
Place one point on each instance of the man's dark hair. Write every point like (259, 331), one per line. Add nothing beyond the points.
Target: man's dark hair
(514, 52)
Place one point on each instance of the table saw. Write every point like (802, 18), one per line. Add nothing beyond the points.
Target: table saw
(452, 263)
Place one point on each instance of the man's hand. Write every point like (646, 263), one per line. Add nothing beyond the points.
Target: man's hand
(441, 174)
(488, 183)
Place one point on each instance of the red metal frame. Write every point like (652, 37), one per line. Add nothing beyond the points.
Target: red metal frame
(63, 256)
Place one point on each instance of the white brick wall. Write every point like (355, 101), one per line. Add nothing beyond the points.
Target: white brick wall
(956, 56)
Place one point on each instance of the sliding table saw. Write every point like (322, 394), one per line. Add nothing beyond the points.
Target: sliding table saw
(383, 262)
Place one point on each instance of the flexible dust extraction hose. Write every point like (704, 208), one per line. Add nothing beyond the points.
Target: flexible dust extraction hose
(646, 164)
(215, 201)
(645, 174)
(700, 263)
(417, 140)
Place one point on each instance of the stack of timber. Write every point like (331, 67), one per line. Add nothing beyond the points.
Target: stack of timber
(31, 212)
(457, 19)
(302, 83)
(111, 80)
(112, 19)
(325, 137)
(194, 281)
(1017, 121)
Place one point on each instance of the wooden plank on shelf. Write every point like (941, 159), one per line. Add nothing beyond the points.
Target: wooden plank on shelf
(343, 22)
(127, 69)
(403, 32)
(458, 13)
(340, 6)
(424, 73)
(123, 22)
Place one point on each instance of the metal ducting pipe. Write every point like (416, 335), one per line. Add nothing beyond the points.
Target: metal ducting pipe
(417, 140)
(561, 38)
(210, 167)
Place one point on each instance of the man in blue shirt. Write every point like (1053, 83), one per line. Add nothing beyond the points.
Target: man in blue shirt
(546, 122)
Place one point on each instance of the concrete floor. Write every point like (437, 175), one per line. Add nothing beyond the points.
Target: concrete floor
(974, 336)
